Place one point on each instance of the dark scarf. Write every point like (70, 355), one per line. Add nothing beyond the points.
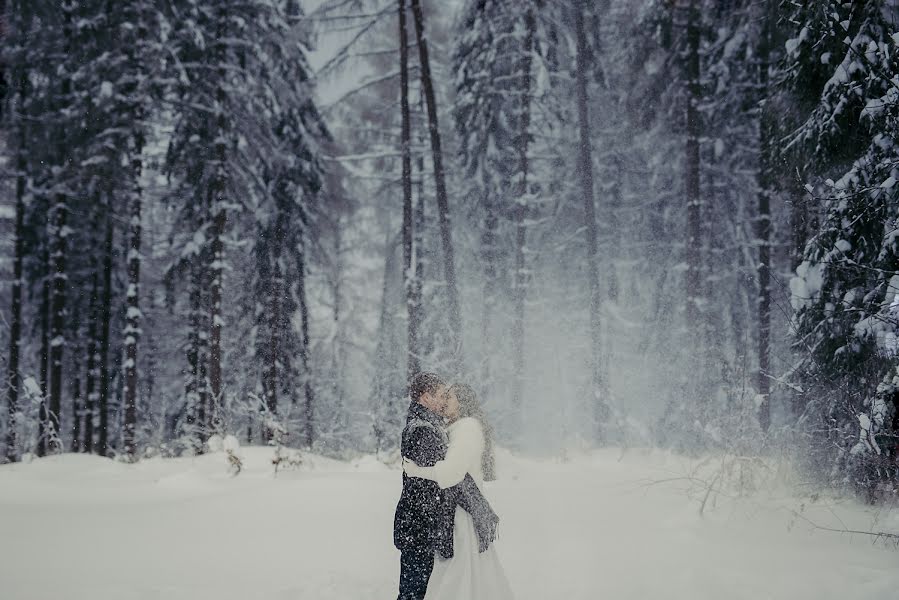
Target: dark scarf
(470, 499)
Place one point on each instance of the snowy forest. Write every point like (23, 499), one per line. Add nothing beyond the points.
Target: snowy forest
(625, 223)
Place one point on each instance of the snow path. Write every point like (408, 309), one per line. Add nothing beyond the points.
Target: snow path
(78, 527)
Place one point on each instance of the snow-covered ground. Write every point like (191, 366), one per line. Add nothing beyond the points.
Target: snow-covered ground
(80, 527)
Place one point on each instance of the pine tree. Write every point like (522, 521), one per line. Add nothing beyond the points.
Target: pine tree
(210, 159)
(844, 290)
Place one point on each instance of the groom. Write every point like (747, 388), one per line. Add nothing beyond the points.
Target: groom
(424, 515)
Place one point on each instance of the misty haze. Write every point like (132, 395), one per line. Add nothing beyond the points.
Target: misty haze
(449, 300)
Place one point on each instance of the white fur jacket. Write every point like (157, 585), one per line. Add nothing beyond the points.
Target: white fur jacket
(466, 447)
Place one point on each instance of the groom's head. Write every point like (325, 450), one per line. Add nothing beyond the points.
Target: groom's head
(427, 389)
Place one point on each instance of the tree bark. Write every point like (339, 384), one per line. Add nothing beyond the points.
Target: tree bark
(521, 278)
(270, 384)
(133, 315)
(418, 242)
(309, 409)
(57, 320)
(763, 219)
(489, 256)
(215, 337)
(195, 414)
(135, 147)
(692, 176)
(77, 398)
(215, 317)
(409, 274)
(105, 319)
(218, 232)
(90, 387)
(44, 357)
(585, 171)
(449, 268)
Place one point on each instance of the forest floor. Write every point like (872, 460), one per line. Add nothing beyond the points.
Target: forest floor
(611, 524)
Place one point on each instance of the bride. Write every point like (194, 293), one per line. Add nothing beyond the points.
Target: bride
(470, 574)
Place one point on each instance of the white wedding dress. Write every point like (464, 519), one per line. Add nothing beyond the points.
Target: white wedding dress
(469, 574)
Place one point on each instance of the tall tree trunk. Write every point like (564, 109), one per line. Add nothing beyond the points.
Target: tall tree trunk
(418, 241)
(105, 319)
(44, 357)
(309, 409)
(77, 398)
(219, 216)
(338, 360)
(585, 170)
(57, 320)
(276, 295)
(489, 256)
(521, 279)
(194, 412)
(215, 315)
(449, 267)
(93, 375)
(763, 217)
(133, 315)
(691, 175)
(408, 226)
(15, 326)
(385, 344)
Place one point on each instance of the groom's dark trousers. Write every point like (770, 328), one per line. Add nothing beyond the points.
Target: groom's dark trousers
(418, 527)
(416, 565)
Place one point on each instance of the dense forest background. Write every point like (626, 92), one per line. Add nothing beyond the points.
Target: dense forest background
(624, 222)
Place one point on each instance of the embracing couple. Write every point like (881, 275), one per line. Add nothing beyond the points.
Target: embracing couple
(444, 526)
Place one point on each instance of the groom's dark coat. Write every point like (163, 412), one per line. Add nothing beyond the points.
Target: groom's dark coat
(423, 508)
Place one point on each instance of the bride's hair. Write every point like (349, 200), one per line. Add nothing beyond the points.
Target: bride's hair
(470, 407)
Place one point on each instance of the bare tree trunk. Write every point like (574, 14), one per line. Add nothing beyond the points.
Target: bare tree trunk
(309, 431)
(218, 232)
(691, 175)
(105, 318)
(521, 280)
(133, 315)
(77, 399)
(338, 359)
(215, 337)
(90, 387)
(274, 323)
(44, 357)
(57, 319)
(215, 316)
(440, 183)
(585, 169)
(195, 414)
(489, 256)
(15, 326)
(409, 274)
(763, 219)
(418, 241)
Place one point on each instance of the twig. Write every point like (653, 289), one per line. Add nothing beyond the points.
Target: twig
(877, 535)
